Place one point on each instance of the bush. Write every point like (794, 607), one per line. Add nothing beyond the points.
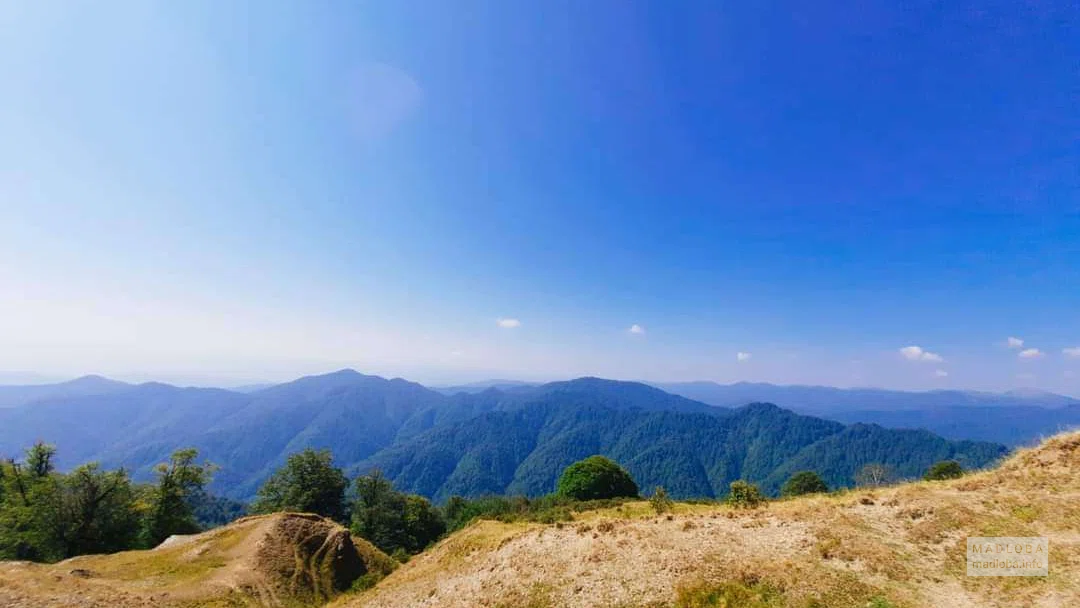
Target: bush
(946, 469)
(745, 495)
(804, 482)
(596, 478)
(660, 501)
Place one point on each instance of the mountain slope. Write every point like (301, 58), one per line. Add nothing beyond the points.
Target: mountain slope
(901, 546)
(691, 454)
(827, 401)
(1011, 426)
(16, 395)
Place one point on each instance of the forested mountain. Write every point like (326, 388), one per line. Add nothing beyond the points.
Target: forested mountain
(690, 454)
(492, 441)
(16, 395)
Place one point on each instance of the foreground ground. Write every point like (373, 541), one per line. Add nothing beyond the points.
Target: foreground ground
(897, 547)
(273, 560)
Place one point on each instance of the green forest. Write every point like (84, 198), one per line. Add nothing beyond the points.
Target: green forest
(47, 516)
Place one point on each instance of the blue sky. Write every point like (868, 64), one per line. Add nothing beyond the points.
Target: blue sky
(244, 191)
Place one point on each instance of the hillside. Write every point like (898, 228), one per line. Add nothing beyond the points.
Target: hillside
(16, 395)
(1014, 418)
(900, 546)
(274, 560)
(691, 454)
(437, 445)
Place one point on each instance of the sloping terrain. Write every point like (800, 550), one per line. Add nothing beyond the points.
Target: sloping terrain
(493, 441)
(287, 559)
(690, 454)
(896, 546)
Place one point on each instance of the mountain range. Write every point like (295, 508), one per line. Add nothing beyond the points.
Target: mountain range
(511, 440)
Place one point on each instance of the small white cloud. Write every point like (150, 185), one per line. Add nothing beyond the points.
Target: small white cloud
(1072, 352)
(1012, 342)
(509, 323)
(916, 353)
(456, 353)
(941, 373)
(741, 356)
(636, 329)
(1068, 373)
(1025, 377)
(1031, 353)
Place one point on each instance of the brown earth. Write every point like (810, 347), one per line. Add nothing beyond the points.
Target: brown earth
(286, 559)
(896, 546)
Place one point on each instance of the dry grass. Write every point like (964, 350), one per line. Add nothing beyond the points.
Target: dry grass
(276, 560)
(900, 546)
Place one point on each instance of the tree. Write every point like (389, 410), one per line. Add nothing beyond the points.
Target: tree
(90, 511)
(660, 501)
(39, 459)
(309, 482)
(392, 520)
(745, 495)
(873, 475)
(170, 513)
(946, 469)
(804, 482)
(596, 478)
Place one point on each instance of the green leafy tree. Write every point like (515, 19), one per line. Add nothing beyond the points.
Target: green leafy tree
(309, 482)
(596, 478)
(804, 482)
(946, 469)
(391, 520)
(660, 501)
(170, 512)
(90, 510)
(745, 495)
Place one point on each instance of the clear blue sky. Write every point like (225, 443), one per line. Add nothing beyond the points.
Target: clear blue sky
(228, 190)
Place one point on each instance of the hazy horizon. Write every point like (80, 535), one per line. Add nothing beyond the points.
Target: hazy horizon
(12, 378)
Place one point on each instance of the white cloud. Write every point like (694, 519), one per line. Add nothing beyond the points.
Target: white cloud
(1030, 353)
(456, 353)
(916, 353)
(509, 323)
(636, 329)
(741, 356)
(941, 373)
(1012, 342)
(1025, 377)
(1072, 352)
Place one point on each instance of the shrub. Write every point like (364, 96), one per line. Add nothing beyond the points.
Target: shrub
(745, 495)
(873, 475)
(660, 501)
(596, 478)
(804, 482)
(946, 469)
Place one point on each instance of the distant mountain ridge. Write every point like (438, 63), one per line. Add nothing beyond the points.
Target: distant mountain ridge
(471, 443)
(15, 395)
(827, 400)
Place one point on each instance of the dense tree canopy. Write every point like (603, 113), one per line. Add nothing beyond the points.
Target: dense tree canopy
(803, 482)
(49, 516)
(596, 478)
(309, 482)
(391, 520)
(946, 469)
